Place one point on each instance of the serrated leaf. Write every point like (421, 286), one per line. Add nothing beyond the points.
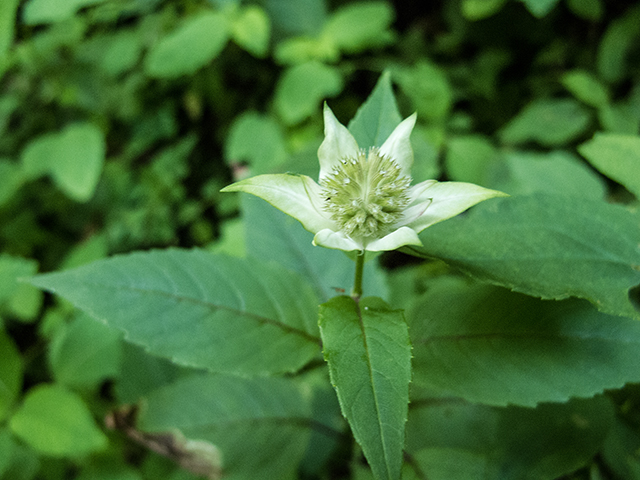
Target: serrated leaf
(546, 246)
(264, 416)
(301, 89)
(208, 311)
(57, 422)
(491, 346)
(189, 47)
(454, 440)
(366, 345)
(378, 116)
(617, 156)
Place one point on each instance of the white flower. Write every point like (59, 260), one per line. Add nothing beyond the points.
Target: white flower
(364, 199)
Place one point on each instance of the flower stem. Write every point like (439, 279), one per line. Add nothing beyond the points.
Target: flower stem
(356, 293)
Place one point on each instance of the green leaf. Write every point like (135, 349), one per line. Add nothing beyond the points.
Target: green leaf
(251, 30)
(619, 118)
(85, 352)
(549, 122)
(616, 45)
(56, 422)
(545, 246)
(11, 367)
(17, 298)
(11, 179)
(189, 47)
(586, 87)
(587, 9)
(488, 345)
(616, 156)
(453, 440)
(556, 173)
(539, 8)
(276, 236)
(6, 450)
(8, 9)
(208, 311)
(268, 417)
(367, 347)
(360, 25)
(50, 11)
(427, 86)
(479, 9)
(469, 158)
(378, 116)
(257, 139)
(301, 89)
(73, 157)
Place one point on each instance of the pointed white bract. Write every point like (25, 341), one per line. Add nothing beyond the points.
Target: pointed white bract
(364, 199)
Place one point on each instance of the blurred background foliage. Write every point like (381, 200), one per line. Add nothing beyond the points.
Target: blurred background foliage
(120, 120)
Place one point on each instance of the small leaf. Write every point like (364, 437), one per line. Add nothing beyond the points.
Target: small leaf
(11, 367)
(11, 179)
(198, 309)
(378, 116)
(616, 44)
(491, 346)
(549, 122)
(479, 9)
(539, 8)
(360, 25)
(367, 347)
(251, 30)
(56, 422)
(469, 158)
(588, 9)
(73, 157)
(189, 47)
(8, 10)
(264, 416)
(17, 298)
(546, 246)
(50, 11)
(586, 87)
(616, 156)
(427, 86)
(301, 89)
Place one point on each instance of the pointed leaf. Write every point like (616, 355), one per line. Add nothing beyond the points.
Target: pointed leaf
(367, 347)
(377, 117)
(488, 345)
(546, 246)
(261, 426)
(202, 310)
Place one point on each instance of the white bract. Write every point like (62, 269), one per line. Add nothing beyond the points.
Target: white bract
(364, 199)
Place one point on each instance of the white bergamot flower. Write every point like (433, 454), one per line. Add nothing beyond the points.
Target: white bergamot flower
(364, 200)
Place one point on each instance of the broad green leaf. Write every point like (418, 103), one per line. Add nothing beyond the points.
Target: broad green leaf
(479, 9)
(545, 246)
(488, 345)
(586, 87)
(453, 440)
(539, 8)
(556, 173)
(73, 157)
(616, 44)
(11, 367)
(85, 352)
(366, 345)
(258, 140)
(378, 116)
(587, 9)
(50, 11)
(302, 17)
(360, 25)
(57, 423)
(301, 89)
(273, 235)
(469, 158)
(251, 30)
(122, 52)
(17, 298)
(428, 88)
(616, 156)
(260, 426)
(549, 122)
(198, 309)
(189, 47)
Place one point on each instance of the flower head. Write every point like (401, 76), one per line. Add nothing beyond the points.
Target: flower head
(364, 199)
